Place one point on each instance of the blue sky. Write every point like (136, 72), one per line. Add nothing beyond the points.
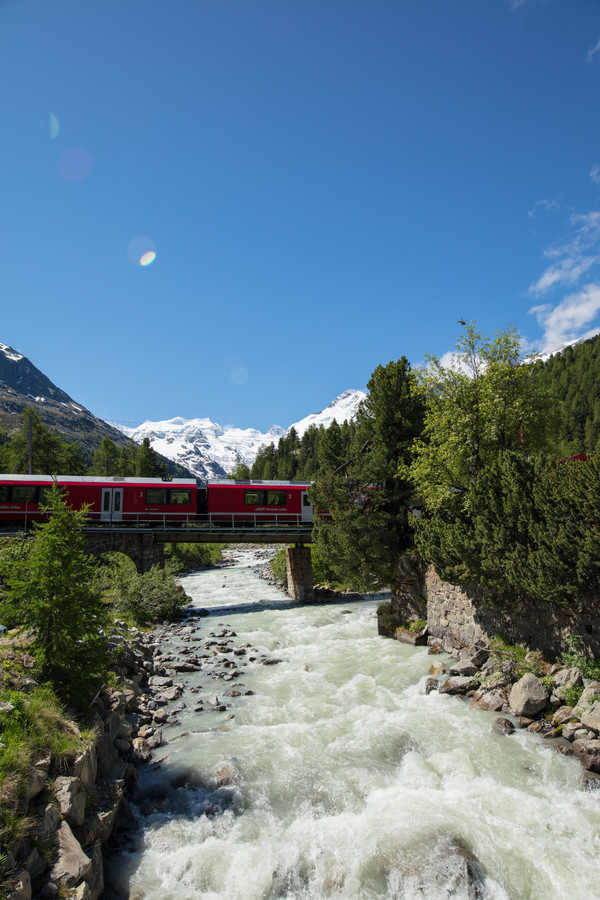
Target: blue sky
(326, 185)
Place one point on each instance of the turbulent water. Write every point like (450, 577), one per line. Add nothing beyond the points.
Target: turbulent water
(339, 778)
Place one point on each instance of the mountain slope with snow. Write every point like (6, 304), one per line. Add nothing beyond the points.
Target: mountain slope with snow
(211, 451)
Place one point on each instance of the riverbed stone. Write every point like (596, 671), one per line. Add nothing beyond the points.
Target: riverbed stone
(588, 752)
(458, 684)
(528, 696)
(591, 717)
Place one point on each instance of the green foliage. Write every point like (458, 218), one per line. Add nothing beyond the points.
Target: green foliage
(578, 656)
(384, 609)
(573, 694)
(192, 557)
(279, 566)
(241, 472)
(153, 596)
(48, 591)
(31, 725)
(573, 378)
(488, 403)
(106, 458)
(50, 453)
(368, 502)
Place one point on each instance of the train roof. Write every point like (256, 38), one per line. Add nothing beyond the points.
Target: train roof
(97, 479)
(225, 481)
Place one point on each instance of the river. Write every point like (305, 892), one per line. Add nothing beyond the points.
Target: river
(339, 778)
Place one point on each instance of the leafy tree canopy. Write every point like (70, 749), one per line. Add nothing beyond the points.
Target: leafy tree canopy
(485, 403)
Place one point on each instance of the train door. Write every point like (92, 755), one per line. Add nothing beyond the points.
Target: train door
(306, 508)
(112, 505)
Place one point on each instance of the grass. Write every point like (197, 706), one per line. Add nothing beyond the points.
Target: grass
(32, 726)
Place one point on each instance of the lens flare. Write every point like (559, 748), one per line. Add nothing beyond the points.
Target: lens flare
(141, 251)
(53, 126)
(239, 375)
(74, 164)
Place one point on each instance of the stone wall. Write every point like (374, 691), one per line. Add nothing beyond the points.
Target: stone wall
(141, 548)
(462, 615)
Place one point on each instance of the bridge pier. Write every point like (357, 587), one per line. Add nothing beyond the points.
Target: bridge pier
(300, 574)
(140, 548)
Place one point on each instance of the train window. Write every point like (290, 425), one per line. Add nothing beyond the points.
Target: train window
(117, 501)
(305, 500)
(276, 498)
(253, 498)
(23, 493)
(180, 496)
(106, 502)
(4, 489)
(156, 495)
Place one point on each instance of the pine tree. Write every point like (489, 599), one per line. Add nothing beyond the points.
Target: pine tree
(48, 591)
(369, 529)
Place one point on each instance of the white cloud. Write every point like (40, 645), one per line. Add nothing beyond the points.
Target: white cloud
(595, 173)
(593, 51)
(545, 205)
(568, 320)
(568, 271)
(573, 256)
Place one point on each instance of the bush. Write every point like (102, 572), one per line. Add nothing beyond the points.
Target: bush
(154, 596)
(192, 557)
(279, 566)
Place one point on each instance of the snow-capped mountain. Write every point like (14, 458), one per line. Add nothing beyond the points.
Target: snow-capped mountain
(210, 451)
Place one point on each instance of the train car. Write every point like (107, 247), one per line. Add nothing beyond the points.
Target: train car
(111, 499)
(249, 503)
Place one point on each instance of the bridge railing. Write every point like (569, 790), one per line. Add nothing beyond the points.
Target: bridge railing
(166, 521)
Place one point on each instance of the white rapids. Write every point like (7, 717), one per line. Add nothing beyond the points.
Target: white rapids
(344, 779)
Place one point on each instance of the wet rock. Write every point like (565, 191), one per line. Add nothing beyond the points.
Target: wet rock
(504, 726)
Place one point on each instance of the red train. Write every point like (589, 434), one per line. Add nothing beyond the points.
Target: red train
(151, 501)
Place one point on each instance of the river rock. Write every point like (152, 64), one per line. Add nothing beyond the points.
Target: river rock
(70, 794)
(20, 886)
(565, 679)
(591, 717)
(588, 752)
(493, 700)
(590, 695)
(72, 865)
(85, 767)
(463, 667)
(141, 750)
(504, 726)
(528, 696)
(458, 684)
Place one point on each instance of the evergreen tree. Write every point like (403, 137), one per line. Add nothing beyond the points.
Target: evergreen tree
(148, 463)
(106, 458)
(48, 591)
(51, 454)
(368, 503)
